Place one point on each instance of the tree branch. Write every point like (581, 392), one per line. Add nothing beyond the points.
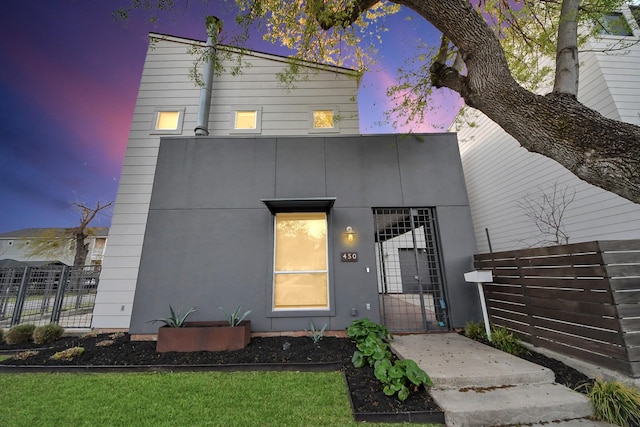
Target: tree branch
(343, 18)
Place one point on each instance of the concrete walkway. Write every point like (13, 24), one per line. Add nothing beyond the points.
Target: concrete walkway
(477, 385)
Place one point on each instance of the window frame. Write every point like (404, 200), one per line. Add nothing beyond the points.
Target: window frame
(156, 117)
(244, 108)
(325, 271)
(607, 30)
(336, 120)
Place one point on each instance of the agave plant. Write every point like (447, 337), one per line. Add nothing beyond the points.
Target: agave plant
(176, 319)
(233, 318)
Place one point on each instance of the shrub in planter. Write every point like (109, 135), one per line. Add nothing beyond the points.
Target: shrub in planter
(179, 335)
(176, 319)
(20, 334)
(47, 333)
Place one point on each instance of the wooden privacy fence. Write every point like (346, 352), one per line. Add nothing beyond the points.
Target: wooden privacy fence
(580, 299)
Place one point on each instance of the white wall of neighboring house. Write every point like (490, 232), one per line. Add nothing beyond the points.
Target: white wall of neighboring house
(499, 173)
(18, 245)
(165, 83)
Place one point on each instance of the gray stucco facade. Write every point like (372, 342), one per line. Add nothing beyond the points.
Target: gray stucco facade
(209, 237)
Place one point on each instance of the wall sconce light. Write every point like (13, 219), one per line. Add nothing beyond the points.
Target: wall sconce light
(351, 235)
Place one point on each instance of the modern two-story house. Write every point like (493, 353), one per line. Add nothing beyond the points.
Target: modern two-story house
(246, 193)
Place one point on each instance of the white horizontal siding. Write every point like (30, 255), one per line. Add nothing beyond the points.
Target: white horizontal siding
(165, 84)
(499, 173)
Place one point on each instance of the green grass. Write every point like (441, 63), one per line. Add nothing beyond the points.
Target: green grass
(176, 399)
(4, 357)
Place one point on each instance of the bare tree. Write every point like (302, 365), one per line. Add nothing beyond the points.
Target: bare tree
(546, 209)
(79, 233)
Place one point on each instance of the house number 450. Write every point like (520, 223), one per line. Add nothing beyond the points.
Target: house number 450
(349, 256)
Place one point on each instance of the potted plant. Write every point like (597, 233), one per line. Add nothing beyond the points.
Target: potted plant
(179, 335)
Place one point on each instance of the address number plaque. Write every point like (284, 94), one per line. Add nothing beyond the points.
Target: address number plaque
(349, 256)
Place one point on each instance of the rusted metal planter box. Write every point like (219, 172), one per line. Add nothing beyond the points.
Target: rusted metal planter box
(204, 336)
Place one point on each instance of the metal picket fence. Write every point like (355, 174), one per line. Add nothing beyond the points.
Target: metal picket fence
(48, 294)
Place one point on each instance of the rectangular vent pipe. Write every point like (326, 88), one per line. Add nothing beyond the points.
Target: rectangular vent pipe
(214, 26)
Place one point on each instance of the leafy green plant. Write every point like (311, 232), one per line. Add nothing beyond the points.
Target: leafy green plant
(233, 318)
(176, 319)
(316, 334)
(615, 402)
(47, 333)
(68, 354)
(475, 331)
(361, 328)
(505, 340)
(20, 334)
(370, 342)
(370, 350)
(401, 377)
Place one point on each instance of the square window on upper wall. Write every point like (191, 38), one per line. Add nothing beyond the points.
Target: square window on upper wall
(167, 121)
(246, 119)
(615, 24)
(323, 119)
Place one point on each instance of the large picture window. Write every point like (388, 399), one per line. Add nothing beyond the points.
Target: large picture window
(300, 279)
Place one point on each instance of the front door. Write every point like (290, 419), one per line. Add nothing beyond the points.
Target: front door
(410, 285)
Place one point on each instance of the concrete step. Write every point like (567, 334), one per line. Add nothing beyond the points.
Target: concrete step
(511, 405)
(454, 361)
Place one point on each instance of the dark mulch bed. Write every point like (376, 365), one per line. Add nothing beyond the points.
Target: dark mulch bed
(366, 392)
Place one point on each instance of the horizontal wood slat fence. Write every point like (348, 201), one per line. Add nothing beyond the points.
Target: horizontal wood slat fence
(581, 299)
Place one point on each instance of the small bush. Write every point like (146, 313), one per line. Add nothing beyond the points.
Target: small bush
(26, 354)
(47, 333)
(475, 331)
(615, 402)
(68, 354)
(20, 334)
(504, 340)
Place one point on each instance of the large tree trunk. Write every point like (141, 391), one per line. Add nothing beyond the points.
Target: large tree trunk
(601, 151)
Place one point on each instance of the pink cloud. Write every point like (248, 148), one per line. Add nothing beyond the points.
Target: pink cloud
(444, 106)
(78, 100)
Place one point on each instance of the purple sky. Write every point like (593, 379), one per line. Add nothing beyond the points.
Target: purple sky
(69, 77)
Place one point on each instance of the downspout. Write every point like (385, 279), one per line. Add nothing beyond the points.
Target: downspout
(214, 26)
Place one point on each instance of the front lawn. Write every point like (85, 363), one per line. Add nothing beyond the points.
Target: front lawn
(176, 399)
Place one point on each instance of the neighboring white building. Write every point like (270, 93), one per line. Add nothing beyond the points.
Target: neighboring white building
(252, 103)
(499, 173)
(51, 244)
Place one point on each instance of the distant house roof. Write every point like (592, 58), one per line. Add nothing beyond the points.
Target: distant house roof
(12, 263)
(51, 232)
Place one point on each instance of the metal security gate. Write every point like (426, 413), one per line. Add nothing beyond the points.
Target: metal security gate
(48, 294)
(410, 284)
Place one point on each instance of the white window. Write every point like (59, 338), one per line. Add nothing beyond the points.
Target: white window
(168, 121)
(323, 119)
(246, 119)
(300, 272)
